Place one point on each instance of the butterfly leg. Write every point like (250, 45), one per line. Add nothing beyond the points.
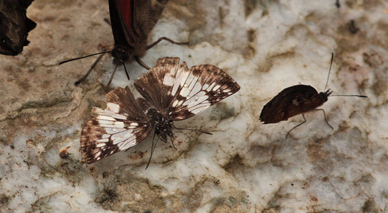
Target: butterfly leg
(324, 115)
(172, 142)
(111, 77)
(167, 39)
(141, 63)
(296, 125)
(153, 145)
(90, 70)
(126, 71)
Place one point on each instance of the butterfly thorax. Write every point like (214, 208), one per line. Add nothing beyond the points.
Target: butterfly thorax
(162, 125)
(315, 101)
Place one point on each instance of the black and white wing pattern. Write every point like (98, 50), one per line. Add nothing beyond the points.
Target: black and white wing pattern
(180, 92)
(171, 92)
(120, 126)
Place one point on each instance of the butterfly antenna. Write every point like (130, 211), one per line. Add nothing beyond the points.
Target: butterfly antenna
(196, 130)
(331, 62)
(360, 96)
(126, 72)
(90, 70)
(152, 149)
(87, 56)
(111, 77)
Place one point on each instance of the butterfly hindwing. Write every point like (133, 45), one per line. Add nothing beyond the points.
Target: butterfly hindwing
(120, 126)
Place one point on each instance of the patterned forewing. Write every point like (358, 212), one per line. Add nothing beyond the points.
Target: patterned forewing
(179, 92)
(198, 88)
(120, 126)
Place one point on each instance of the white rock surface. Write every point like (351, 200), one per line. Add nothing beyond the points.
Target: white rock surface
(245, 166)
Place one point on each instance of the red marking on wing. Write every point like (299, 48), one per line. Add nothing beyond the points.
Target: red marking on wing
(127, 10)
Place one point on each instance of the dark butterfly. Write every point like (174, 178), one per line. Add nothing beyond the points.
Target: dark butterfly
(14, 26)
(171, 92)
(296, 100)
(131, 21)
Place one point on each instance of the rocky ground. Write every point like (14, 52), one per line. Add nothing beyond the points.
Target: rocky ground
(245, 166)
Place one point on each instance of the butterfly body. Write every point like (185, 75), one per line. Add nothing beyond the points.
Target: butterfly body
(292, 101)
(132, 21)
(170, 92)
(161, 124)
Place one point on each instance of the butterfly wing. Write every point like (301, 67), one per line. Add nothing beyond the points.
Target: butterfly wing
(288, 103)
(120, 126)
(133, 20)
(180, 92)
(14, 26)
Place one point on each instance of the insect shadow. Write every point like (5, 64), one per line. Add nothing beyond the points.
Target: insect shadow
(131, 23)
(296, 100)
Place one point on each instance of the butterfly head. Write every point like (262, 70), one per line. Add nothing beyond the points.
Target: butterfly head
(325, 95)
(163, 126)
(120, 53)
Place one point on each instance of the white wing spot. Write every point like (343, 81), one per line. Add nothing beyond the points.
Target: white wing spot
(201, 100)
(195, 89)
(184, 77)
(119, 124)
(113, 107)
(175, 103)
(216, 87)
(211, 87)
(184, 92)
(103, 140)
(101, 117)
(101, 145)
(168, 80)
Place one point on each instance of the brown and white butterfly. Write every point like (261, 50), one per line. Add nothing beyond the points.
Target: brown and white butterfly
(171, 92)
